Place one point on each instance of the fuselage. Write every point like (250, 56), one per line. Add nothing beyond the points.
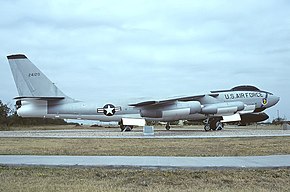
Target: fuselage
(211, 104)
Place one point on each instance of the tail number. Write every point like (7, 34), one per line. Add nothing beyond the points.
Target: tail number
(33, 74)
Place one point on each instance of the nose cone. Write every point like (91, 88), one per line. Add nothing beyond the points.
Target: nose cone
(274, 100)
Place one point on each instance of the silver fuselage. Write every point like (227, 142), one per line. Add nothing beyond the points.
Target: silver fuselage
(225, 103)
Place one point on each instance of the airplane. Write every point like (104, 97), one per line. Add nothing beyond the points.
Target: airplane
(39, 97)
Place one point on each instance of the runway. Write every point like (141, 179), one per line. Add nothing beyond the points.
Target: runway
(275, 161)
(138, 134)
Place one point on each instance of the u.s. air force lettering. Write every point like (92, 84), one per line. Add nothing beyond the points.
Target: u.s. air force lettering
(109, 110)
(243, 95)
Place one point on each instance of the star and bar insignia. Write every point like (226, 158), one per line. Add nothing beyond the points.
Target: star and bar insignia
(109, 110)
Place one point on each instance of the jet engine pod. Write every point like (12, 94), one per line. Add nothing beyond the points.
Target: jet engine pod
(194, 106)
(223, 108)
(151, 113)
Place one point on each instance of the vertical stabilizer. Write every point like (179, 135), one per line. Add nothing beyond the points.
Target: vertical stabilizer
(29, 80)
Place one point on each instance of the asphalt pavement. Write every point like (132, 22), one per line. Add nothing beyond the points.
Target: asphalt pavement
(275, 161)
(116, 134)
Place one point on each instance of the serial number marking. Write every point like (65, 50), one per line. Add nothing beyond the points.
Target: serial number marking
(243, 95)
(33, 74)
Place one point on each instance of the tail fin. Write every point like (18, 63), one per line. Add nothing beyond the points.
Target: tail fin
(30, 81)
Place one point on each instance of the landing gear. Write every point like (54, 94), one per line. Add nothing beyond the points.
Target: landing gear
(126, 128)
(213, 124)
(167, 127)
(206, 127)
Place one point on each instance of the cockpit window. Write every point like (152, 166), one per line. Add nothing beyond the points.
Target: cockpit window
(245, 88)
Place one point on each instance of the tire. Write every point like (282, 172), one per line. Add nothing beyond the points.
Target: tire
(207, 127)
(213, 125)
(167, 127)
(128, 128)
(219, 126)
(216, 125)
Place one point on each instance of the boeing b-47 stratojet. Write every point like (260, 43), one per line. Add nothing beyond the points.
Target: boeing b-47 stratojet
(39, 97)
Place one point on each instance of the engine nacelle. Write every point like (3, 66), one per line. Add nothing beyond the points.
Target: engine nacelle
(194, 106)
(223, 108)
(151, 113)
(179, 110)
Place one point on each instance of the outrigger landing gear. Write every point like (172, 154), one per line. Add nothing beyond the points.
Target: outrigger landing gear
(213, 124)
(167, 127)
(126, 127)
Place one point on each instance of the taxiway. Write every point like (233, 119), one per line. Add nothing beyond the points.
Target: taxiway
(178, 134)
(275, 161)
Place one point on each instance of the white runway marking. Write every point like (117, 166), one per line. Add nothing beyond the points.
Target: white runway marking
(275, 161)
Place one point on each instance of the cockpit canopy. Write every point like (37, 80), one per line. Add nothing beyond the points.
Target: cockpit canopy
(243, 88)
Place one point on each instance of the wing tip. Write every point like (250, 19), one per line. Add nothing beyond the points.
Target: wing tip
(17, 56)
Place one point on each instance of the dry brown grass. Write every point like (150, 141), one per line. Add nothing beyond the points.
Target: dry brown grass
(48, 127)
(99, 179)
(147, 147)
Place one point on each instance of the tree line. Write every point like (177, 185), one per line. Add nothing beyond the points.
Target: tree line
(9, 118)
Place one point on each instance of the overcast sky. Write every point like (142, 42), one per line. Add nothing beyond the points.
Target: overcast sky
(111, 51)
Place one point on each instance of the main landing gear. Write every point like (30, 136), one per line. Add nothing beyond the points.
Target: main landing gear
(167, 127)
(213, 124)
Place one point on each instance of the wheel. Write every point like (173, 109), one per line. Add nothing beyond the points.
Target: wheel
(216, 125)
(207, 127)
(128, 128)
(167, 127)
(122, 127)
(219, 126)
(213, 124)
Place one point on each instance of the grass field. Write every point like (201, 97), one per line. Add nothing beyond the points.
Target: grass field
(147, 147)
(98, 179)
(27, 179)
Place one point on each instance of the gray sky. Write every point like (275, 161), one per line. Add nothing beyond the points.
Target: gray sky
(106, 51)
